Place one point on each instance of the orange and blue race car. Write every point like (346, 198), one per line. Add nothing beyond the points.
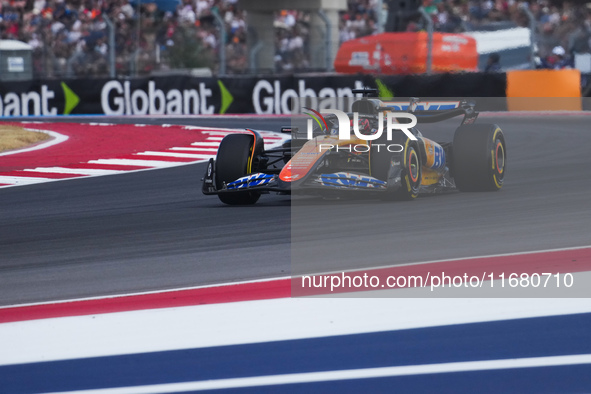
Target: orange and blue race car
(383, 157)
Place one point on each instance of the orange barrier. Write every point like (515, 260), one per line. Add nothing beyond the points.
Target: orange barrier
(406, 53)
(544, 90)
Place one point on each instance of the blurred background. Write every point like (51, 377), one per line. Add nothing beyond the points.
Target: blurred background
(126, 38)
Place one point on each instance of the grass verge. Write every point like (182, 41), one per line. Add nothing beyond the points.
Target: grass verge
(15, 137)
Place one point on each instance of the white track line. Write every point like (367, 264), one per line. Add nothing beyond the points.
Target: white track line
(213, 150)
(22, 180)
(154, 330)
(215, 129)
(81, 171)
(347, 374)
(173, 154)
(139, 163)
(205, 144)
(148, 292)
(368, 269)
(224, 284)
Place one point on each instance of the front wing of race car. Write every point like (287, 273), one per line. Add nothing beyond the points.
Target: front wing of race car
(260, 181)
(266, 182)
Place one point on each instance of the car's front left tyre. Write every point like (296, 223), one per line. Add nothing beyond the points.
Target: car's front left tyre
(234, 160)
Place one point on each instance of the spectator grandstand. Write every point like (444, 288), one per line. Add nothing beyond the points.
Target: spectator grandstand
(70, 38)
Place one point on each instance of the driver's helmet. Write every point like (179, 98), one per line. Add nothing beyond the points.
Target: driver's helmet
(364, 126)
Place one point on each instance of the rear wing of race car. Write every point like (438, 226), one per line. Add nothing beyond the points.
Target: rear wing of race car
(428, 111)
(435, 111)
(425, 112)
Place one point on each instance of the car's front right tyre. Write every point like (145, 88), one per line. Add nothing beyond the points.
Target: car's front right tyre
(402, 171)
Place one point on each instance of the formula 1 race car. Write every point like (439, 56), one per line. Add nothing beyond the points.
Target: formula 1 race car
(384, 157)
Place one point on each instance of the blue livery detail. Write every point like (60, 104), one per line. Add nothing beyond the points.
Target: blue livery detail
(258, 179)
(423, 107)
(345, 179)
(439, 160)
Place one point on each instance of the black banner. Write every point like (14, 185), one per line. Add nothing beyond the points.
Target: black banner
(186, 95)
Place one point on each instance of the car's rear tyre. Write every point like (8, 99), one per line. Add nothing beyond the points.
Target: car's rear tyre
(479, 157)
(234, 160)
(408, 165)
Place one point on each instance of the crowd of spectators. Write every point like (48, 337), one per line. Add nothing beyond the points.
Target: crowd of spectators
(70, 38)
(291, 40)
(562, 28)
(561, 32)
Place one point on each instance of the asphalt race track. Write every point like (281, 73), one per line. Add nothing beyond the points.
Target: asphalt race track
(154, 230)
